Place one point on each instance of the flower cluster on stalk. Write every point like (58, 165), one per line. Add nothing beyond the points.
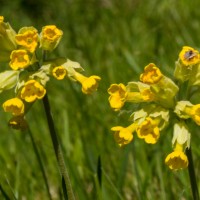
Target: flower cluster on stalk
(27, 74)
(162, 102)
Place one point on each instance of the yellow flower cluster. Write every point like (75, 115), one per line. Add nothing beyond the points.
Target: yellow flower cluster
(26, 74)
(164, 105)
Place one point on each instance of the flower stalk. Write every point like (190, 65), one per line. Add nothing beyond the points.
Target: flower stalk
(57, 149)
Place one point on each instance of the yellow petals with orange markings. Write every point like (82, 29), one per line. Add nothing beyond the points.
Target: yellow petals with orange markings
(14, 105)
(32, 90)
(59, 72)
(19, 59)
(151, 74)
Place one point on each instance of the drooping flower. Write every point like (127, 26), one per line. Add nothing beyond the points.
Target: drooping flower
(118, 96)
(32, 90)
(14, 105)
(50, 37)
(59, 72)
(177, 159)
(18, 123)
(89, 84)
(124, 135)
(148, 130)
(27, 38)
(19, 59)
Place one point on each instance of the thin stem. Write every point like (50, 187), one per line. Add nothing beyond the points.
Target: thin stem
(191, 171)
(58, 150)
(40, 163)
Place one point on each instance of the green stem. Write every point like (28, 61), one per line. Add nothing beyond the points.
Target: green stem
(58, 150)
(40, 163)
(191, 171)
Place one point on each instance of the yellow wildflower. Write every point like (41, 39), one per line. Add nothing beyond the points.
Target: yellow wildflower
(177, 159)
(189, 56)
(18, 123)
(59, 72)
(151, 75)
(50, 37)
(148, 130)
(194, 113)
(118, 96)
(14, 105)
(89, 84)
(123, 135)
(1, 19)
(32, 90)
(19, 59)
(27, 38)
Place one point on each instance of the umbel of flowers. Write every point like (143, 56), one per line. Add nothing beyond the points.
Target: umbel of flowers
(28, 74)
(161, 102)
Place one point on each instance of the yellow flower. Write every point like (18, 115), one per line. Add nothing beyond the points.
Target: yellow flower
(1, 19)
(19, 59)
(27, 38)
(50, 37)
(89, 84)
(18, 123)
(177, 159)
(59, 72)
(194, 113)
(123, 135)
(148, 130)
(14, 105)
(151, 74)
(118, 96)
(189, 56)
(32, 90)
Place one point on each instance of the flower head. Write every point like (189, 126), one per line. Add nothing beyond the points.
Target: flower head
(118, 96)
(18, 123)
(19, 59)
(123, 135)
(50, 37)
(32, 90)
(14, 105)
(189, 56)
(149, 131)
(27, 38)
(89, 84)
(151, 75)
(176, 160)
(59, 72)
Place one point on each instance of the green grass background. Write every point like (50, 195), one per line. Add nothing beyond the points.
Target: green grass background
(114, 40)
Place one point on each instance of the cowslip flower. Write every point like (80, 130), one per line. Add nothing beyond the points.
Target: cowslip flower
(14, 105)
(177, 159)
(118, 96)
(124, 135)
(32, 90)
(189, 56)
(59, 72)
(50, 37)
(18, 123)
(185, 110)
(151, 75)
(27, 37)
(89, 84)
(19, 59)
(148, 130)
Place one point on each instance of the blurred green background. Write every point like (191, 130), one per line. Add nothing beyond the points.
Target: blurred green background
(114, 40)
